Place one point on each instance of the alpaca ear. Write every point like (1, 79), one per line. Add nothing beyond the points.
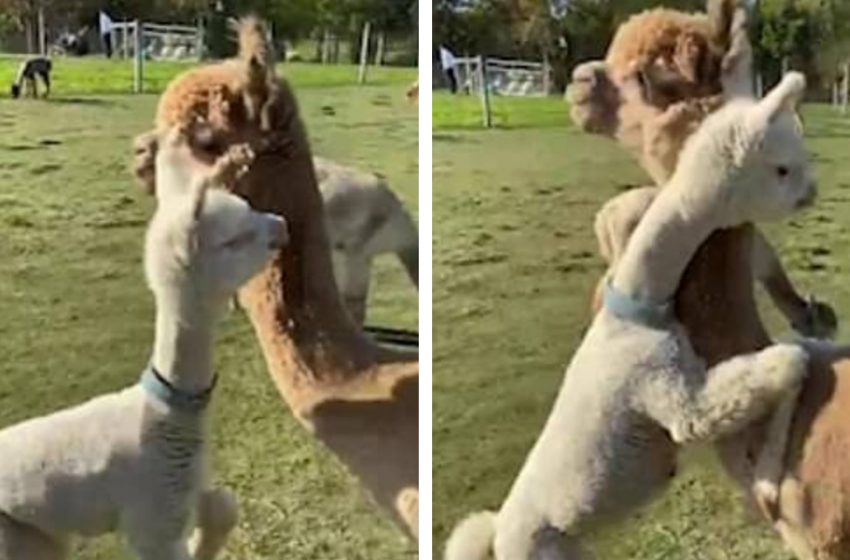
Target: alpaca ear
(784, 97)
(736, 67)
(720, 13)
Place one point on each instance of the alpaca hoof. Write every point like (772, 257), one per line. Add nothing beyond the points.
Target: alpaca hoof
(783, 365)
(679, 114)
(240, 155)
(818, 321)
(766, 495)
(234, 163)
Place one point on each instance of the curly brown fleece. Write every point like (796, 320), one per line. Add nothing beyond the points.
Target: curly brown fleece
(676, 58)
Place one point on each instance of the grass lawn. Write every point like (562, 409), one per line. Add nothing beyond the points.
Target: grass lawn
(98, 75)
(455, 112)
(515, 262)
(76, 319)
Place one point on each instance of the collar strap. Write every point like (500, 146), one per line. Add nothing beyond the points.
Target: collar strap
(635, 310)
(160, 388)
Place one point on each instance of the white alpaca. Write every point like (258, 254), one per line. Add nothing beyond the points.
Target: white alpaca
(134, 461)
(364, 219)
(635, 389)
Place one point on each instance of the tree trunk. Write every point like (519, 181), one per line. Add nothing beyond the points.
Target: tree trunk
(379, 52)
(31, 30)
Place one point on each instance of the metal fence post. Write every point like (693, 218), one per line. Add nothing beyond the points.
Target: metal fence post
(485, 91)
(364, 53)
(138, 57)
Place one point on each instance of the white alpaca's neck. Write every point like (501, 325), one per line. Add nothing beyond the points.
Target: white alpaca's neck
(664, 242)
(182, 351)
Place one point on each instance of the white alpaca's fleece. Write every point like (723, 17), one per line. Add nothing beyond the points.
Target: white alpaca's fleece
(633, 392)
(130, 461)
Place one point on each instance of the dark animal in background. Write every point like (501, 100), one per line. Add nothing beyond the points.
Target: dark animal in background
(28, 71)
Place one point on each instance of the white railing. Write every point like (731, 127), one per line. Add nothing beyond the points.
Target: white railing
(156, 41)
(515, 78)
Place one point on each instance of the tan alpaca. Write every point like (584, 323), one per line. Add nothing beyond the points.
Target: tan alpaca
(357, 398)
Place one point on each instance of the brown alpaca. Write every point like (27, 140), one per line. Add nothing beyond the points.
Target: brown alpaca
(715, 302)
(357, 398)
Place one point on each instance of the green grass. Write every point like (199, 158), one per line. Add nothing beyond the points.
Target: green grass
(76, 317)
(515, 263)
(97, 75)
(465, 112)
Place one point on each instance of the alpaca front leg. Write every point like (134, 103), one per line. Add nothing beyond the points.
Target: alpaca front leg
(737, 392)
(217, 515)
(807, 317)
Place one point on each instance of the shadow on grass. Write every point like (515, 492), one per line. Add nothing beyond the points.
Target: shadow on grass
(95, 101)
(451, 138)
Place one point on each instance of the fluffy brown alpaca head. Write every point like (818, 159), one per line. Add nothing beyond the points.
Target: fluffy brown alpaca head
(678, 54)
(678, 59)
(218, 106)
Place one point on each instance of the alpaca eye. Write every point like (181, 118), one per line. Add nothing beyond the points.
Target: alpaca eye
(782, 171)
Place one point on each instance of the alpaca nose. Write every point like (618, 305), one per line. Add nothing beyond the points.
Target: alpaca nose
(809, 196)
(278, 233)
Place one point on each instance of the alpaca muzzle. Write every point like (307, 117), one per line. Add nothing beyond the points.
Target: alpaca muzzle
(809, 196)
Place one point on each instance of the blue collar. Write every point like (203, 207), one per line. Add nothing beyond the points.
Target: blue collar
(159, 387)
(630, 308)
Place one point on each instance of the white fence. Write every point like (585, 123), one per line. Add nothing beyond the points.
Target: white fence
(159, 42)
(155, 42)
(517, 78)
(494, 76)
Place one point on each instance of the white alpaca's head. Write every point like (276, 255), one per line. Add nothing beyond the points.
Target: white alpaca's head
(205, 241)
(752, 151)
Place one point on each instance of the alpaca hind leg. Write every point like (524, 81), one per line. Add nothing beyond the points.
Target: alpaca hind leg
(524, 538)
(736, 392)
(770, 463)
(23, 542)
(218, 514)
